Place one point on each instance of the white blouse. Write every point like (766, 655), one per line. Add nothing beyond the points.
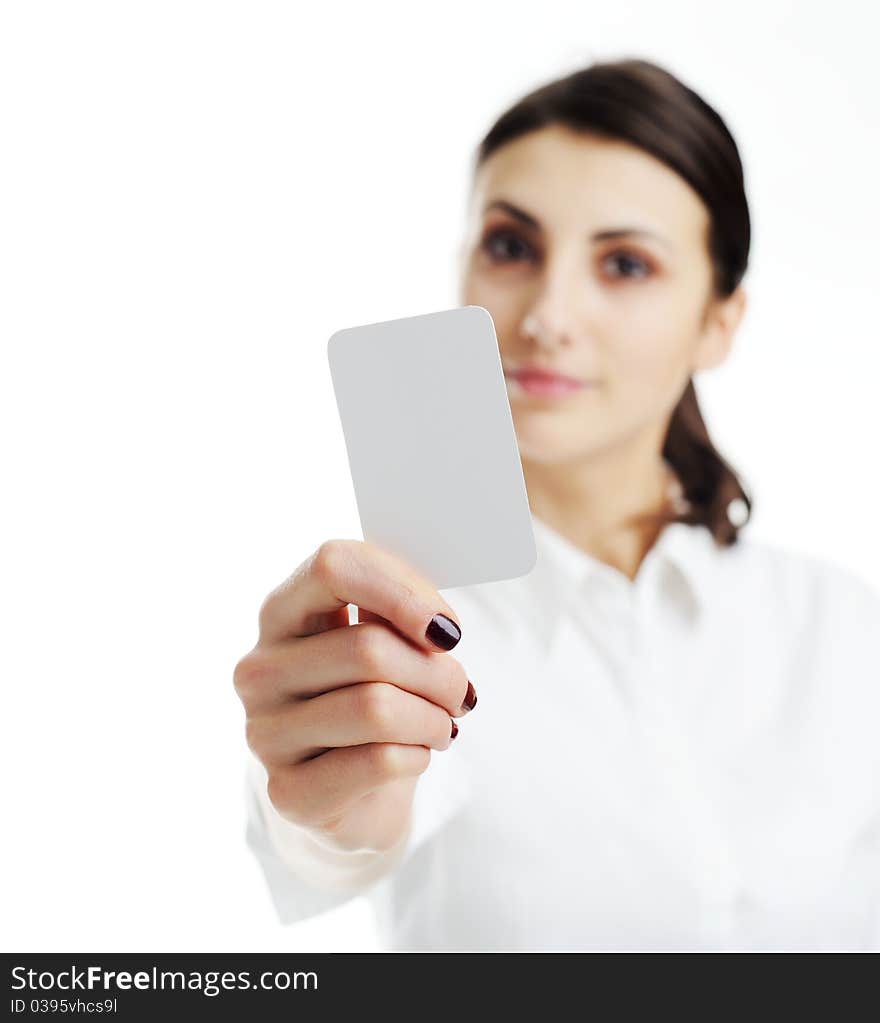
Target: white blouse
(689, 760)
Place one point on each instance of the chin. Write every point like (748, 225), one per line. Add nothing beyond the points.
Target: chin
(566, 448)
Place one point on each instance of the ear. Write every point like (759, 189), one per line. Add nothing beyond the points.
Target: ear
(720, 320)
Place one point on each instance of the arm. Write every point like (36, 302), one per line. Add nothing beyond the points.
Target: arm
(305, 877)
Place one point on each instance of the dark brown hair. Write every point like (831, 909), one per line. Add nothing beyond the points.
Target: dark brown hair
(638, 102)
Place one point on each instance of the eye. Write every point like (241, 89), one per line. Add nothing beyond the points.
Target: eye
(504, 246)
(625, 265)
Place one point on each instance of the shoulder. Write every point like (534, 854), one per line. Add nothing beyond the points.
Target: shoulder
(803, 586)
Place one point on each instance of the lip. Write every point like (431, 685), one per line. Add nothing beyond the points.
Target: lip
(534, 380)
(536, 373)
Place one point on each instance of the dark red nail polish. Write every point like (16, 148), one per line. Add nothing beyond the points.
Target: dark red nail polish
(470, 699)
(443, 632)
(454, 730)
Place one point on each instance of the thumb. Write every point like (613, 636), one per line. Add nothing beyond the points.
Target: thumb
(363, 615)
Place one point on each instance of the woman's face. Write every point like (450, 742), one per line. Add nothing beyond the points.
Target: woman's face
(605, 250)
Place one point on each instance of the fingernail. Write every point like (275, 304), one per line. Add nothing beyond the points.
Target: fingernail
(454, 730)
(443, 632)
(470, 698)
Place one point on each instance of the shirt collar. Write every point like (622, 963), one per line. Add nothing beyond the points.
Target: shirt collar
(677, 567)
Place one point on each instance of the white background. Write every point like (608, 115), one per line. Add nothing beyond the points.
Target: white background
(194, 196)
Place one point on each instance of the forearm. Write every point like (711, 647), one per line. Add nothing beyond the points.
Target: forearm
(317, 863)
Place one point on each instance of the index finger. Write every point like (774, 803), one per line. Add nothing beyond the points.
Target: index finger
(342, 572)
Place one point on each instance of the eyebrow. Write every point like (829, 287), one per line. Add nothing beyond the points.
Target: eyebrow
(599, 236)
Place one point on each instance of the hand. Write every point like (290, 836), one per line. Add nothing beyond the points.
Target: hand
(344, 717)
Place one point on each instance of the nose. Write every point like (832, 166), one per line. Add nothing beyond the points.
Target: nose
(558, 316)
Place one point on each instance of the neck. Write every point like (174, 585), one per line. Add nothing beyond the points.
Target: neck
(600, 505)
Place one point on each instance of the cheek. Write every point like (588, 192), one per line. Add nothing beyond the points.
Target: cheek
(650, 341)
(490, 291)
(650, 359)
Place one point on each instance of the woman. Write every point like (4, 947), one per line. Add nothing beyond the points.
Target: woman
(675, 746)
